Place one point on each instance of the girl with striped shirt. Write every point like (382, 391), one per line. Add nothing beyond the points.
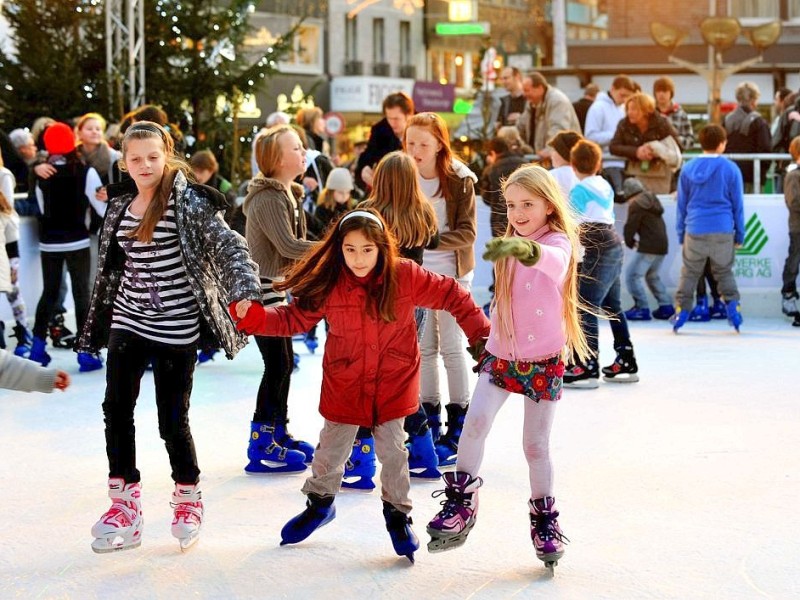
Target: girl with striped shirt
(168, 266)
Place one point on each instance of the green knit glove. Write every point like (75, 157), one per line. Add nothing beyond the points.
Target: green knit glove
(477, 349)
(525, 251)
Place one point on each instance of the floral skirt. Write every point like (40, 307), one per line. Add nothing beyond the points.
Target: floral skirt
(541, 380)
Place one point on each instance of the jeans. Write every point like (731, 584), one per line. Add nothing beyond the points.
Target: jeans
(697, 249)
(173, 373)
(78, 264)
(646, 266)
(599, 284)
(792, 264)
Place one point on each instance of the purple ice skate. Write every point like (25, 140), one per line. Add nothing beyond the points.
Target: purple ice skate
(451, 526)
(548, 540)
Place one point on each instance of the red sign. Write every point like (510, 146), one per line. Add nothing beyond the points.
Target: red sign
(334, 123)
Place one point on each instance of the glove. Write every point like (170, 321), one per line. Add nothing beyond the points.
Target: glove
(477, 349)
(254, 320)
(525, 251)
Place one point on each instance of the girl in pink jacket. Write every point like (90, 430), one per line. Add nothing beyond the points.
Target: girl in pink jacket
(534, 324)
(355, 280)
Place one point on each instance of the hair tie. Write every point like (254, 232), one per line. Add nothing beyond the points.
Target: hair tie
(361, 213)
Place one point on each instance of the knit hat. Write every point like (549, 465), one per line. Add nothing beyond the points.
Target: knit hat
(340, 179)
(59, 139)
(631, 187)
(563, 142)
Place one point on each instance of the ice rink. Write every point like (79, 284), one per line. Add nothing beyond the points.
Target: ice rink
(684, 485)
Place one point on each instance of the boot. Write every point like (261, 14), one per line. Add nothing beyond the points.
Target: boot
(319, 511)
(89, 362)
(423, 459)
(398, 524)
(38, 352)
(624, 368)
(267, 456)
(24, 340)
(679, 319)
(59, 334)
(664, 312)
(582, 376)
(311, 342)
(451, 526)
(638, 314)
(718, 310)
(548, 540)
(434, 414)
(120, 527)
(700, 312)
(447, 445)
(789, 304)
(188, 516)
(204, 356)
(284, 438)
(734, 311)
(360, 468)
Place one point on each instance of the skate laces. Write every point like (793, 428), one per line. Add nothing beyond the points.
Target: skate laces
(545, 526)
(454, 500)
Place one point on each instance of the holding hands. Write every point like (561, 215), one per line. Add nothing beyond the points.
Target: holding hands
(249, 316)
(525, 251)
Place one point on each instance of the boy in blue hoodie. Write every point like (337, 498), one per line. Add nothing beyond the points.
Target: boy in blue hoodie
(710, 224)
(599, 275)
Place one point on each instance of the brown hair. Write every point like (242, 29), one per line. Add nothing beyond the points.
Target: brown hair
(643, 101)
(435, 125)
(312, 278)
(142, 130)
(399, 100)
(794, 148)
(586, 157)
(268, 151)
(306, 117)
(396, 195)
(664, 84)
(711, 136)
(204, 160)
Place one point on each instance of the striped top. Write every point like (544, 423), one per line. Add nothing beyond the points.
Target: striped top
(155, 299)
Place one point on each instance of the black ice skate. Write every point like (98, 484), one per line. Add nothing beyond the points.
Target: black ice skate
(624, 368)
(582, 376)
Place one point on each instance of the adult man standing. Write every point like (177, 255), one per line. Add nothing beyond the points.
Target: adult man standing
(385, 136)
(547, 112)
(748, 132)
(511, 106)
(582, 104)
(602, 119)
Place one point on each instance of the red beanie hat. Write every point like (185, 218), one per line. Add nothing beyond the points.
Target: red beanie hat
(59, 139)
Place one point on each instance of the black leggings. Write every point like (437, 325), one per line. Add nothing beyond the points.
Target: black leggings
(78, 264)
(273, 393)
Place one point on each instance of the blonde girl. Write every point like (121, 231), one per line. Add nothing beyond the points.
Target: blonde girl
(535, 324)
(95, 151)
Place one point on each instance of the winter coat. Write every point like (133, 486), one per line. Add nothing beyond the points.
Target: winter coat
(553, 115)
(490, 185)
(787, 129)
(382, 141)
(645, 220)
(601, 125)
(461, 219)
(628, 137)
(370, 368)
(791, 194)
(748, 133)
(215, 259)
(19, 374)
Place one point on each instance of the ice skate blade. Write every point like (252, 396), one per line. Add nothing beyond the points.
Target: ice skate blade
(442, 544)
(430, 474)
(188, 543)
(265, 467)
(104, 548)
(626, 378)
(583, 384)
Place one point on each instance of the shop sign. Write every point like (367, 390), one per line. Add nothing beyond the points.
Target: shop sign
(430, 96)
(365, 94)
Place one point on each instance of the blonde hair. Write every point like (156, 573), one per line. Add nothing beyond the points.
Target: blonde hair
(268, 150)
(142, 130)
(538, 182)
(87, 117)
(5, 205)
(397, 196)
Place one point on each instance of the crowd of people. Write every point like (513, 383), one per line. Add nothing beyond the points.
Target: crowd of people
(380, 253)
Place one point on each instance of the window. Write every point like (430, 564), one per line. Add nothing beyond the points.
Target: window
(306, 55)
(755, 9)
(378, 49)
(405, 43)
(351, 38)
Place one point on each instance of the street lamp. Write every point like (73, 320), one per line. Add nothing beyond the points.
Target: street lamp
(720, 33)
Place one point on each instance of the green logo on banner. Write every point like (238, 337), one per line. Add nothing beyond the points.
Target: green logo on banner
(755, 237)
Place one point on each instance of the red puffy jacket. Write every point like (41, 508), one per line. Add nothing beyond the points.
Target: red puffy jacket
(370, 369)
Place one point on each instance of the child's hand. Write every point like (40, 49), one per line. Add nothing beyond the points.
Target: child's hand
(62, 380)
(525, 251)
(250, 317)
(239, 309)
(477, 349)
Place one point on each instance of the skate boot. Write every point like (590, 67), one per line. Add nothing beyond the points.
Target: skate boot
(548, 540)
(38, 353)
(664, 312)
(700, 312)
(89, 362)
(60, 336)
(679, 319)
(718, 309)
(734, 314)
(789, 305)
(624, 368)
(796, 322)
(286, 439)
(423, 461)
(451, 526)
(296, 359)
(188, 505)
(204, 356)
(434, 414)
(311, 342)
(24, 340)
(447, 444)
(319, 511)
(120, 528)
(360, 467)
(398, 524)
(582, 376)
(638, 314)
(268, 456)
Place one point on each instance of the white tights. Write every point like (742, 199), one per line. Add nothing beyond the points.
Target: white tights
(486, 402)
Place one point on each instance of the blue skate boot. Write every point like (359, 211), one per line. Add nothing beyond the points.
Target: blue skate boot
(286, 439)
(434, 414)
(423, 461)
(700, 312)
(638, 313)
(24, 340)
(718, 310)
(319, 511)
(679, 319)
(447, 445)
(360, 467)
(398, 524)
(311, 342)
(38, 353)
(89, 362)
(267, 456)
(204, 356)
(664, 312)
(734, 310)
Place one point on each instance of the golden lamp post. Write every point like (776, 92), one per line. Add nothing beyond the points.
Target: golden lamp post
(720, 33)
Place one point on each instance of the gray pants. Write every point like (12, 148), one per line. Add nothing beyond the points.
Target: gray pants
(336, 442)
(718, 249)
(645, 266)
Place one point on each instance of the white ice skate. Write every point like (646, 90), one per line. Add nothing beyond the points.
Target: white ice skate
(120, 528)
(186, 500)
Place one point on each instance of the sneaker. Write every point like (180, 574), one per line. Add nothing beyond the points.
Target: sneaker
(664, 312)
(638, 314)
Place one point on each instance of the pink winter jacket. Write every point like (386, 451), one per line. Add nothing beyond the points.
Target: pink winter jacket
(537, 304)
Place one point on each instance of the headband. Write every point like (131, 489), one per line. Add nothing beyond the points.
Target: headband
(144, 126)
(361, 213)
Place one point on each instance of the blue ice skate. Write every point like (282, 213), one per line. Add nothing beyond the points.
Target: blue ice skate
(734, 310)
(398, 524)
(267, 456)
(638, 313)
(423, 462)
(38, 352)
(700, 312)
(204, 356)
(319, 511)
(360, 467)
(434, 414)
(718, 310)
(89, 362)
(286, 439)
(664, 312)
(679, 319)
(447, 446)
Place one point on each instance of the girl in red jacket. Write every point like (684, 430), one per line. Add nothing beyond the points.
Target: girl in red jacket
(356, 281)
